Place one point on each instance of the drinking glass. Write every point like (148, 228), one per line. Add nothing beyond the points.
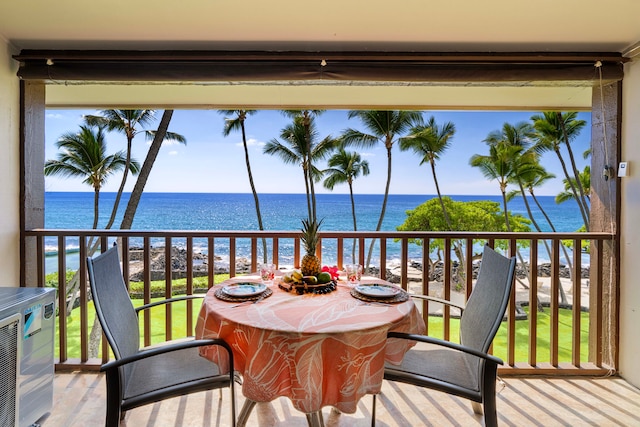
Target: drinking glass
(354, 273)
(267, 273)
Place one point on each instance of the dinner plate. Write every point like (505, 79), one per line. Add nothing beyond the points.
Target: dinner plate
(378, 290)
(244, 289)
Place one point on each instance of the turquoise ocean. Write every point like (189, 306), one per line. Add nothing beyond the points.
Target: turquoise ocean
(280, 212)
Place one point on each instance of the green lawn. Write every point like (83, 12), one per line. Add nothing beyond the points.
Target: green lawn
(522, 336)
(157, 314)
(435, 329)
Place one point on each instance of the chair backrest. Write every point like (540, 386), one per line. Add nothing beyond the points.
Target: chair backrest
(488, 301)
(115, 311)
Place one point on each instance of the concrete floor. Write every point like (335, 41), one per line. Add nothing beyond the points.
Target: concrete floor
(79, 401)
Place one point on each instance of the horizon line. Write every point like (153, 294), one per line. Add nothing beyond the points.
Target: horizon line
(317, 194)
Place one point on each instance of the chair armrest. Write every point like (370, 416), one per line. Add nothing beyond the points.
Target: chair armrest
(167, 301)
(430, 340)
(143, 354)
(438, 300)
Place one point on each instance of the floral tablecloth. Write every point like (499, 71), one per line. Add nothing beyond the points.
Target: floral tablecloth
(318, 350)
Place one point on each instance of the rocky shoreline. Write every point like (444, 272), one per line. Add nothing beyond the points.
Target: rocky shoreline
(243, 265)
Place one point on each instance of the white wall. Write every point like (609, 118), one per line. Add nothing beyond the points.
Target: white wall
(9, 169)
(629, 229)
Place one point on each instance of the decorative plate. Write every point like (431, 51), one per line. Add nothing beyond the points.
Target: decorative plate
(221, 295)
(401, 296)
(244, 289)
(378, 290)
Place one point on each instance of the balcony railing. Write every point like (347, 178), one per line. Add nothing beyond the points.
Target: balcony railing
(557, 321)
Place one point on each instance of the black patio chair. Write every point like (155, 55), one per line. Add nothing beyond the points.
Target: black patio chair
(465, 369)
(141, 376)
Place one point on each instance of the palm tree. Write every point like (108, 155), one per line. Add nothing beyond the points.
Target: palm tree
(584, 178)
(307, 116)
(84, 155)
(159, 136)
(505, 148)
(298, 146)
(500, 165)
(382, 127)
(126, 122)
(344, 167)
(552, 130)
(429, 142)
(123, 121)
(237, 123)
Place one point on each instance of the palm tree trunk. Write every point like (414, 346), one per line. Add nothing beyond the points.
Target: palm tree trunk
(583, 212)
(384, 206)
(307, 136)
(533, 220)
(444, 210)
(143, 176)
(96, 330)
(96, 206)
(458, 246)
(506, 218)
(562, 246)
(256, 201)
(355, 225)
(116, 203)
(573, 161)
(563, 296)
(504, 207)
(307, 189)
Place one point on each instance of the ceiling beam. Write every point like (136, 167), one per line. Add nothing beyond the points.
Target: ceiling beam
(251, 66)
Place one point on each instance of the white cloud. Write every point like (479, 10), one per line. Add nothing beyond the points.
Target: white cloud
(165, 143)
(55, 116)
(169, 142)
(251, 142)
(173, 153)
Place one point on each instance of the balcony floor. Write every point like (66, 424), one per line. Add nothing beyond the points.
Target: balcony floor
(79, 400)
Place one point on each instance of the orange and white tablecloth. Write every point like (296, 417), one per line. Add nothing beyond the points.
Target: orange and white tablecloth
(318, 350)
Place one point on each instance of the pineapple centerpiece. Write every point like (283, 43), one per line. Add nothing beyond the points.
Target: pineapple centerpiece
(310, 265)
(310, 278)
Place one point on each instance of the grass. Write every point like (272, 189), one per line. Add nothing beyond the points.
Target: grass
(179, 309)
(543, 352)
(179, 329)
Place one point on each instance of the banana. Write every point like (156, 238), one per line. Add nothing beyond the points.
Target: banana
(312, 280)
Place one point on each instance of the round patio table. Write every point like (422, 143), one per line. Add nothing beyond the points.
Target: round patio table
(317, 350)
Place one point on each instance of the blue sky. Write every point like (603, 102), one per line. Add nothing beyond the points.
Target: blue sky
(212, 163)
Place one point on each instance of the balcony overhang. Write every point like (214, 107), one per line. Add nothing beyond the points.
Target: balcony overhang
(357, 79)
(239, 66)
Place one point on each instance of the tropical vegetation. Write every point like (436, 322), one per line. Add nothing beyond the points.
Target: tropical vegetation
(511, 159)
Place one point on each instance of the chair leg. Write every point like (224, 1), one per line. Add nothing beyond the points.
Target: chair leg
(232, 392)
(489, 396)
(114, 416)
(490, 413)
(245, 412)
(373, 411)
(314, 419)
(477, 408)
(114, 400)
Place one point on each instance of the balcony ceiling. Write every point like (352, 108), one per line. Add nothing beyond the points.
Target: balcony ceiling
(331, 25)
(451, 25)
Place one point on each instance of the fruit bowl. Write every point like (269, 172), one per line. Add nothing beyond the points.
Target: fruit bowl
(305, 288)
(296, 282)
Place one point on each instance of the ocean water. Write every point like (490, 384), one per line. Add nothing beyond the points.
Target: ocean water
(280, 212)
